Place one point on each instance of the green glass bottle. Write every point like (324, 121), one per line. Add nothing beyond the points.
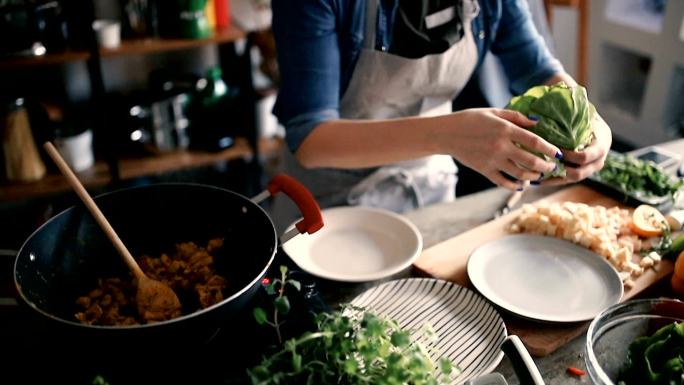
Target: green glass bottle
(191, 19)
(216, 87)
(214, 121)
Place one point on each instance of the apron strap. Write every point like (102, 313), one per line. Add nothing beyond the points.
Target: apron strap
(371, 24)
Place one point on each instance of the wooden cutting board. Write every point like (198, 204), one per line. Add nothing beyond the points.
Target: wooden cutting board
(447, 260)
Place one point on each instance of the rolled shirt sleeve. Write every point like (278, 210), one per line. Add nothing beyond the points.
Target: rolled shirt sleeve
(524, 55)
(309, 63)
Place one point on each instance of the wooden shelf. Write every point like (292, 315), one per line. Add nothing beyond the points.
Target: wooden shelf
(179, 160)
(98, 175)
(127, 47)
(143, 46)
(49, 59)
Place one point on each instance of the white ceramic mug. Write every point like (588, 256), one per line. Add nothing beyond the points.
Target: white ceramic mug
(108, 33)
(77, 150)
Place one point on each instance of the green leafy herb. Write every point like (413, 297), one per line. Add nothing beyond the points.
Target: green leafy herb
(635, 176)
(565, 116)
(281, 304)
(99, 380)
(656, 359)
(664, 244)
(352, 346)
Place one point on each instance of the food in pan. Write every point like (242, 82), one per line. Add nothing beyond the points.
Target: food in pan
(189, 271)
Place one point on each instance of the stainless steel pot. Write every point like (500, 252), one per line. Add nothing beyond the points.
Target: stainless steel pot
(162, 125)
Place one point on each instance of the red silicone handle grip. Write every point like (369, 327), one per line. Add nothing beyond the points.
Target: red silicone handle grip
(313, 220)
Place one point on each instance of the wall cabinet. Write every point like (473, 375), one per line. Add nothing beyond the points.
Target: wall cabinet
(636, 68)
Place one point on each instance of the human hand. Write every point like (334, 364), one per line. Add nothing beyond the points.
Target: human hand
(581, 164)
(485, 140)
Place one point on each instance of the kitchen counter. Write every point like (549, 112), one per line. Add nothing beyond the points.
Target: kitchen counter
(440, 222)
(436, 223)
(443, 221)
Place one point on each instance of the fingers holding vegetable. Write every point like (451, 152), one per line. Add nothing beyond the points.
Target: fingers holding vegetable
(490, 141)
(576, 173)
(521, 163)
(526, 138)
(569, 121)
(582, 164)
(521, 174)
(596, 150)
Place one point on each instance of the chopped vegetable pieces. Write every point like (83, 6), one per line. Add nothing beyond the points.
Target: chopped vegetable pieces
(635, 176)
(575, 371)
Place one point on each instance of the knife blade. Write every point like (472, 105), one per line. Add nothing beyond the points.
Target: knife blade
(512, 200)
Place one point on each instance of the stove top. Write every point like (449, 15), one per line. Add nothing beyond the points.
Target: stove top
(38, 356)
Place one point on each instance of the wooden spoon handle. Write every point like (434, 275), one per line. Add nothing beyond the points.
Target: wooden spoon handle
(94, 210)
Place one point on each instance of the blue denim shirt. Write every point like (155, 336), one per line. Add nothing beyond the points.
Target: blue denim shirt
(318, 42)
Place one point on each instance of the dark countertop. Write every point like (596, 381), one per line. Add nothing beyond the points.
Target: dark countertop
(436, 223)
(441, 222)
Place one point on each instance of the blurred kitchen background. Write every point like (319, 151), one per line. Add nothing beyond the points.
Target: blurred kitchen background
(144, 91)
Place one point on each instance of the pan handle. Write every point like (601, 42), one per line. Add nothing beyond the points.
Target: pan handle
(312, 220)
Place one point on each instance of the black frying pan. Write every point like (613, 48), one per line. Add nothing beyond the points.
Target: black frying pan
(63, 259)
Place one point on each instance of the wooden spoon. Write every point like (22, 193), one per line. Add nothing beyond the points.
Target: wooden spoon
(155, 300)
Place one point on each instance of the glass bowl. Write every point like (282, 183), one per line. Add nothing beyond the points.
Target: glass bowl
(612, 331)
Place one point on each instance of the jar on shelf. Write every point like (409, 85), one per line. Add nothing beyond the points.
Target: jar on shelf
(214, 114)
(75, 145)
(184, 19)
(22, 159)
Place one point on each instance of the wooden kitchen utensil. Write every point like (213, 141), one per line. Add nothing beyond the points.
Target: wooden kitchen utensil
(155, 300)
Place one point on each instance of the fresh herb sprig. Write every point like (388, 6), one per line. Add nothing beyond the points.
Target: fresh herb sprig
(664, 244)
(351, 346)
(281, 305)
(632, 175)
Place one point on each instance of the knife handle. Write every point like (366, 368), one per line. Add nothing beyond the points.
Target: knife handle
(512, 200)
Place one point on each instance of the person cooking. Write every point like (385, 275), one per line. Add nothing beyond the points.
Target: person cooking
(366, 94)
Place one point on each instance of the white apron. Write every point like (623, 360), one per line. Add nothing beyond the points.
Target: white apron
(385, 86)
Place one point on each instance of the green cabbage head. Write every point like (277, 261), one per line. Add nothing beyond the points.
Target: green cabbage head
(565, 116)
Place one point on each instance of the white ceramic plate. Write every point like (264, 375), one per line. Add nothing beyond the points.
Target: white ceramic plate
(544, 278)
(357, 244)
(469, 330)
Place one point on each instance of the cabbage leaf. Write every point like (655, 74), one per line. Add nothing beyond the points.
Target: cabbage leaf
(565, 116)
